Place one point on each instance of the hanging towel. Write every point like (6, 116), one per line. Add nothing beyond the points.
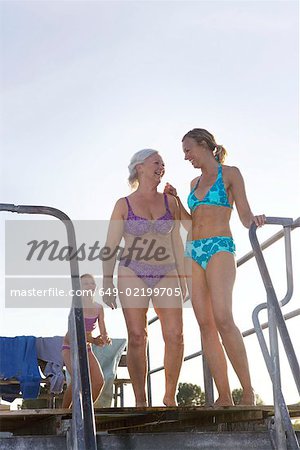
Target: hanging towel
(18, 359)
(109, 357)
(49, 349)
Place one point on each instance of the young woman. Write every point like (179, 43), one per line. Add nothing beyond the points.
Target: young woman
(93, 315)
(210, 250)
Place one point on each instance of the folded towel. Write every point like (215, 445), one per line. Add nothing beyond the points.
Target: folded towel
(19, 360)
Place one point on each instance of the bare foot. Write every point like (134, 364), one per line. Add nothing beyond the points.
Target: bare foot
(224, 401)
(141, 405)
(248, 398)
(169, 401)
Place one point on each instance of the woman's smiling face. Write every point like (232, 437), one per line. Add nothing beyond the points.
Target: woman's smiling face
(192, 151)
(153, 167)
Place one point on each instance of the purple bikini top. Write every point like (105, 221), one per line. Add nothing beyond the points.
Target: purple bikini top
(138, 226)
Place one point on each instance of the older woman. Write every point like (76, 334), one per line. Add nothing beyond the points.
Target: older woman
(210, 250)
(152, 259)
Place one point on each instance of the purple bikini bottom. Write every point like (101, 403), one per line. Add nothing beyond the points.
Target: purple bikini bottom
(150, 274)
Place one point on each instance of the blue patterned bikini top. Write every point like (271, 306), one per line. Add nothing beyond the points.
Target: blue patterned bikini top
(216, 195)
(138, 226)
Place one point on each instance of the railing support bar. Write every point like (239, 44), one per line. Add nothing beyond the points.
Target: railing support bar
(275, 318)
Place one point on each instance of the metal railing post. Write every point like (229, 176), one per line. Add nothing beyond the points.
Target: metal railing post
(83, 421)
(149, 390)
(275, 318)
(276, 379)
(208, 381)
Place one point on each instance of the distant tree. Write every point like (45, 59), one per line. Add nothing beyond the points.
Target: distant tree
(237, 395)
(190, 395)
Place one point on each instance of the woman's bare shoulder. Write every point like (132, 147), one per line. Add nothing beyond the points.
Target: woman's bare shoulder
(230, 169)
(194, 181)
(120, 207)
(231, 173)
(121, 201)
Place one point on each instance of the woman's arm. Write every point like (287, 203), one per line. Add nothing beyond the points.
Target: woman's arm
(114, 236)
(177, 246)
(103, 339)
(101, 321)
(66, 339)
(185, 216)
(237, 187)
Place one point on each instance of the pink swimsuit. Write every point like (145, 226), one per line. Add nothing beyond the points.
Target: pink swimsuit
(90, 324)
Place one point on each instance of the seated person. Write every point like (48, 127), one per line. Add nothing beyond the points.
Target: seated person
(92, 313)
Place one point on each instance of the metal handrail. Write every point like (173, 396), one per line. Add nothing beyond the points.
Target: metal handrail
(83, 436)
(284, 433)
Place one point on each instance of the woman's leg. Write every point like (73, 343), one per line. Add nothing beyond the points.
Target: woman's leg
(135, 313)
(97, 379)
(171, 323)
(220, 275)
(136, 351)
(67, 398)
(169, 311)
(212, 347)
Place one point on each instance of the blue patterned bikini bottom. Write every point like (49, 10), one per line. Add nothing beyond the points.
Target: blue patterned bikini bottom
(202, 250)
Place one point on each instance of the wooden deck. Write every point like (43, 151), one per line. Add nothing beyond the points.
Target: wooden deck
(141, 420)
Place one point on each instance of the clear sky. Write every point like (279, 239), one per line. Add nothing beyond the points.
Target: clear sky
(86, 84)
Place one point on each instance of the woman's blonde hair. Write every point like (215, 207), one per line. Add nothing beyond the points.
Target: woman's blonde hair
(200, 135)
(138, 158)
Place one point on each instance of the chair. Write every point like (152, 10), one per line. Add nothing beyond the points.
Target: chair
(119, 383)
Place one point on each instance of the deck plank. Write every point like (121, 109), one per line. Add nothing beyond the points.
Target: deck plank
(151, 419)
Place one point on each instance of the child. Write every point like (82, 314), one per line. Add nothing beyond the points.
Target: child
(92, 313)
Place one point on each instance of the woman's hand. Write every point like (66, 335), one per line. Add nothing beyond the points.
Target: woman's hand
(109, 293)
(184, 290)
(259, 220)
(169, 189)
(102, 340)
(98, 341)
(105, 339)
